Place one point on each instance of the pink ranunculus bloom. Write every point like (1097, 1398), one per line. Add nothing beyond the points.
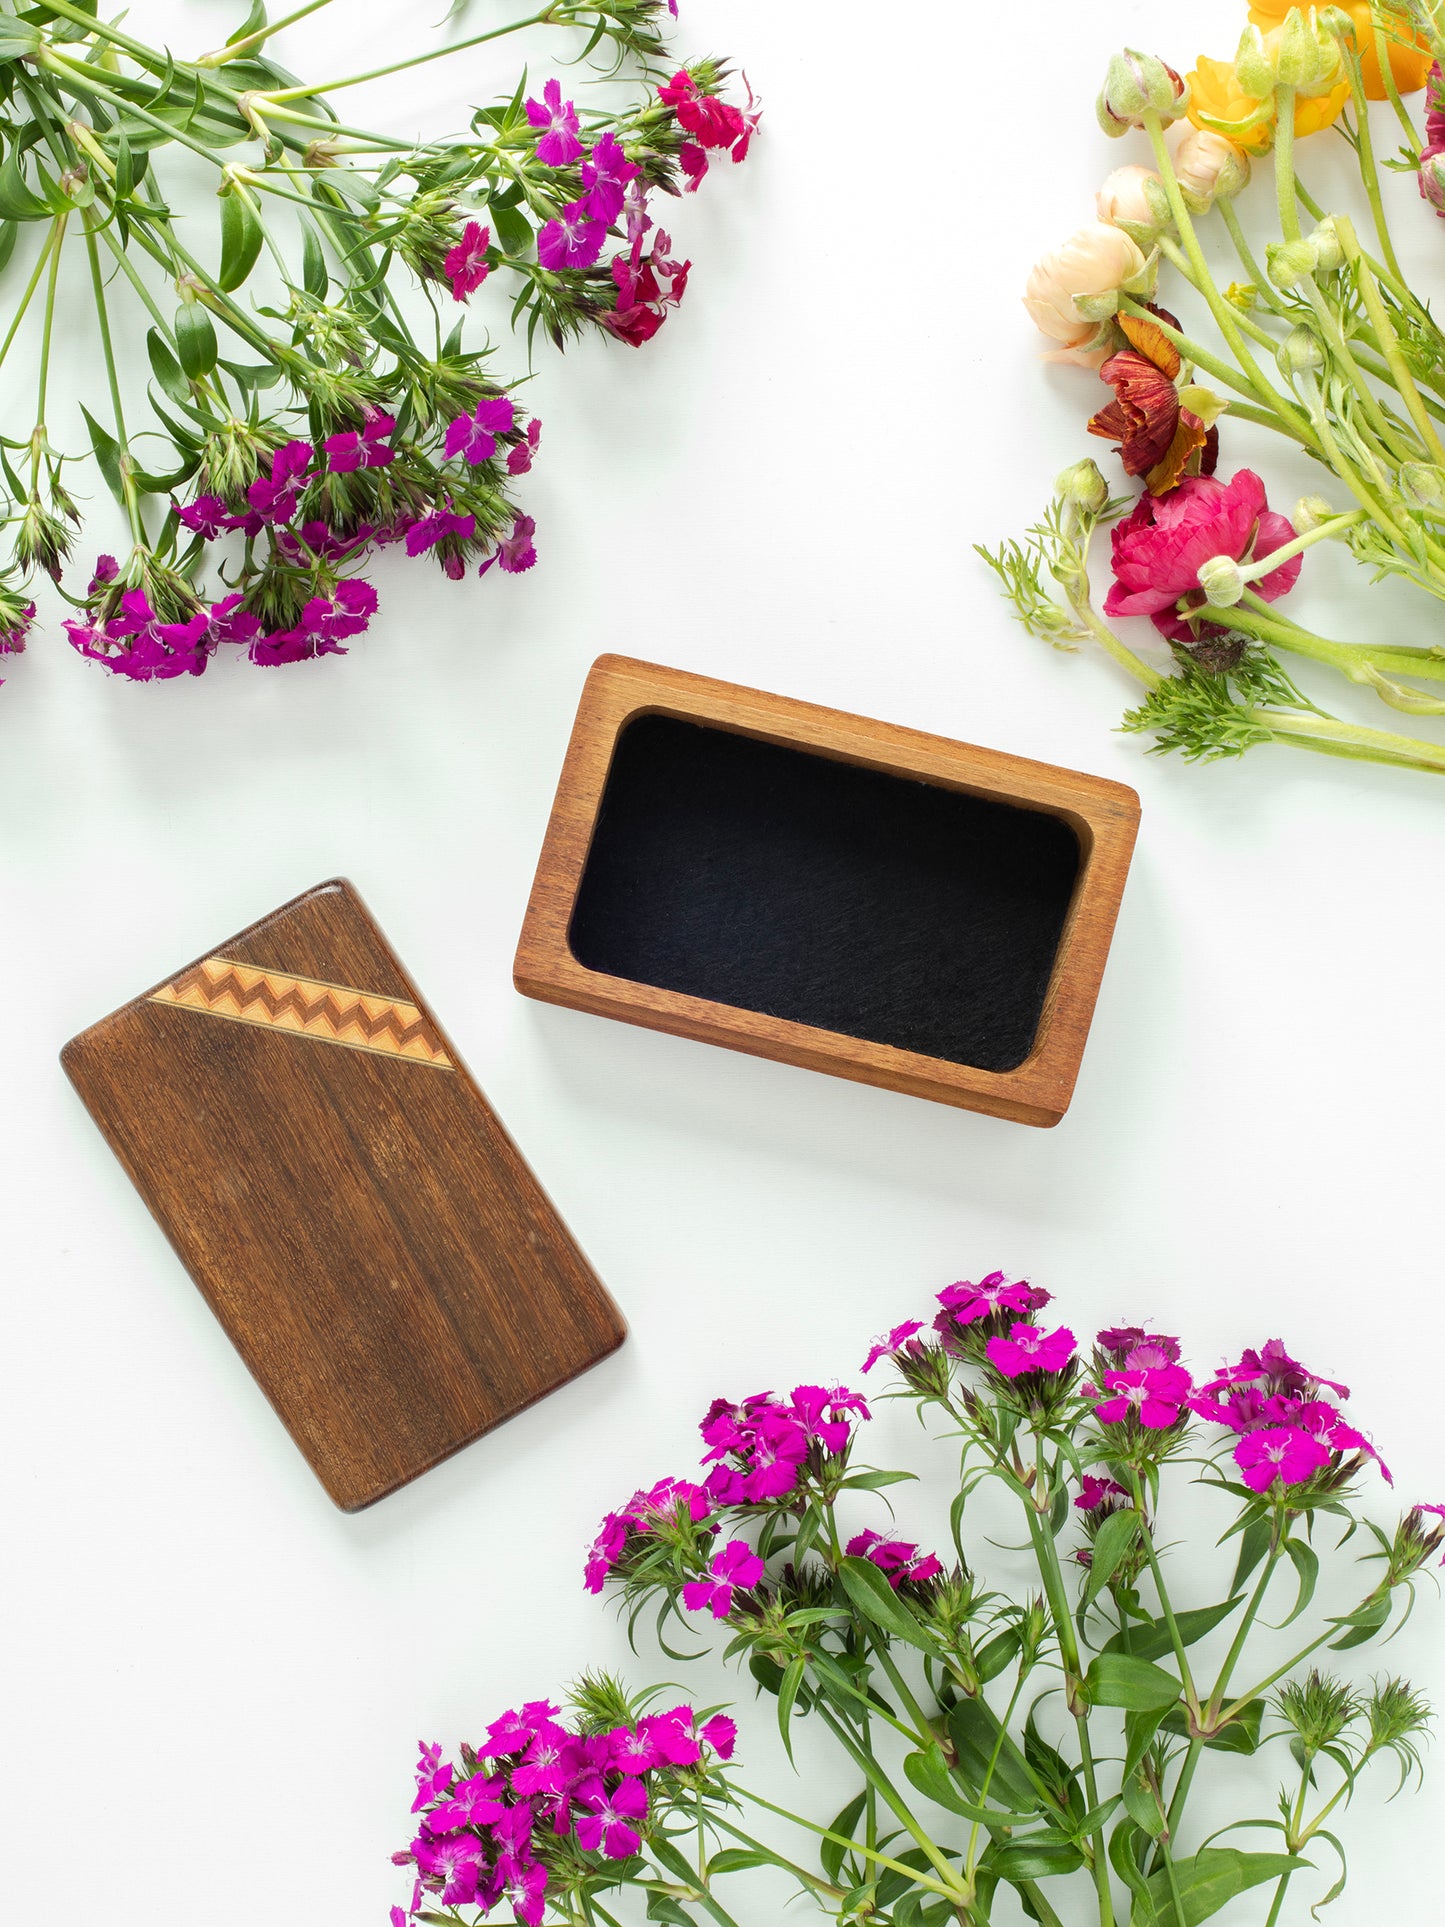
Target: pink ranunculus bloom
(1282, 1452)
(559, 145)
(1027, 1349)
(573, 240)
(466, 264)
(893, 1343)
(1095, 1491)
(1156, 1394)
(1159, 550)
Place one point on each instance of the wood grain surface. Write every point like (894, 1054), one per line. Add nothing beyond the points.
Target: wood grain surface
(1103, 815)
(344, 1196)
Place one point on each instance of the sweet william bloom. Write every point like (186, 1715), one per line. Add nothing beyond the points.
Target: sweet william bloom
(721, 1734)
(368, 447)
(559, 145)
(474, 437)
(1159, 550)
(1027, 1349)
(474, 1802)
(737, 1566)
(711, 121)
(433, 1776)
(827, 1412)
(605, 174)
(521, 457)
(452, 1866)
(1124, 197)
(573, 240)
(896, 1559)
(1157, 1397)
(967, 1303)
(1095, 1491)
(514, 1731)
(1096, 260)
(426, 533)
(524, 1888)
(1278, 1452)
(1272, 1368)
(893, 1343)
(608, 1820)
(274, 499)
(466, 264)
(15, 624)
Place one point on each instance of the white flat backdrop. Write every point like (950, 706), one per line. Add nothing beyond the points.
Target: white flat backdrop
(215, 1681)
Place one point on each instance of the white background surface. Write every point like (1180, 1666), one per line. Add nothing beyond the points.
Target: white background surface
(215, 1681)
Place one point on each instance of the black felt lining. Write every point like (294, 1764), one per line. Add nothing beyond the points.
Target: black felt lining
(778, 880)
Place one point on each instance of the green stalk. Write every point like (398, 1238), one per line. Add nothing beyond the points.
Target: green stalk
(102, 315)
(46, 328)
(895, 1800)
(548, 14)
(1344, 656)
(57, 228)
(234, 49)
(1365, 152)
(1166, 1608)
(851, 1846)
(1392, 92)
(1330, 1632)
(1284, 184)
(812, 1881)
(1396, 449)
(1388, 340)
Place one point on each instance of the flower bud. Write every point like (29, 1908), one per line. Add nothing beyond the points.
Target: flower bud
(1209, 168)
(1291, 262)
(1222, 580)
(1432, 180)
(1422, 485)
(1309, 55)
(1138, 84)
(1083, 484)
(1310, 511)
(1300, 352)
(1256, 64)
(1125, 201)
(1325, 241)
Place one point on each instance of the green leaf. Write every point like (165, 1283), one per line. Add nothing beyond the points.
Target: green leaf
(787, 1694)
(1112, 1544)
(1118, 1679)
(737, 1860)
(195, 340)
(1150, 1638)
(514, 230)
(253, 23)
(1122, 1860)
(9, 232)
(830, 1852)
(875, 1481)
(17, 39)
(18, 200)
(1307, 1565)
(1139, 1731)
(1254, 1543)
(978, 1742)
(1361, 1625)
(241, 238)
(928, 1771)
(1240, 1736)
(1141, 1803)
(166, 369)
(1038, 1858)
(108, 454)
(314, 277)
(999, 1652)
(872, 1596)
(1209, 1881)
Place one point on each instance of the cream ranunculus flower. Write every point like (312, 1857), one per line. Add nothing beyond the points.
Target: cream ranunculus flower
(1208, 165)
(1092, 262)
(1123, 199)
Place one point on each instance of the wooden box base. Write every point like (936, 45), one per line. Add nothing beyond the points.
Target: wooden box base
(830, 891)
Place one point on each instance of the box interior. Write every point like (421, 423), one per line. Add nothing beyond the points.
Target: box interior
(778, 880)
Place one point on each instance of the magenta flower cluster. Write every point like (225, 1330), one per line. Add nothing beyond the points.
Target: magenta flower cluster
(1287, 1428)
(757, 1450)
(644, 1512)
(897, 1559)
(483, 1834)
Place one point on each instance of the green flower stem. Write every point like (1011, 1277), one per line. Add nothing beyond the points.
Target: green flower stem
(1332, 1631)
(1322, 532)
(545, 17)
(1365, 153)
(46, 328)
(1402, 293)
(1224, 316)
(57, 228)
(970, 1859)
(1257, 276)
(1166, 1607)
(703, 1897)
(1246, 1626)
(1389, 436)
(1406, 538)
(1392, 92)
(102, 315)
(1284, 182)
(891, 1796)
(813, 1882)
(1272, 1918)
(234, 49)
(853, 1846)
(1331, 738)
(1047, 1555)
(1347, 657)
(1388, 340)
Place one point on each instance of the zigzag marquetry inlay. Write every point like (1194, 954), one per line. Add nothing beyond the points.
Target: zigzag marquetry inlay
(328, 1013)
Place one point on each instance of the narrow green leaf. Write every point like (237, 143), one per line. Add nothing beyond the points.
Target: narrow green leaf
(253, 23)
(1362, 1625)
(929, 1772)
(1307, 1564)
(1118, 1679)
(1210, 1880)
(875, 1481)
(166, 369)
(830, 1853)
(1122, 1859)
(195, 340)
(514, 230)
(737, 1860)
(1253, 1545)
(1115, 1538)
(1141, 1803)
(18, 39)
(979, 1743)
(314, 277)
(998, 1653)
(241, 238)
(107, 454)
(1150, 1639)
(18, 200)
(8, 235)
(872, 1595)
(1139, 1731)
(787, 1694)
(1240, 1736)
(1040, 1857)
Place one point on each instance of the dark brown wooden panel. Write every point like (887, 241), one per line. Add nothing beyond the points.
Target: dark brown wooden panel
(344, 1196)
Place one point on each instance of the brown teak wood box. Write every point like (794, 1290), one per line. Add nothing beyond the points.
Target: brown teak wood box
(585, 859)
(349, 1204)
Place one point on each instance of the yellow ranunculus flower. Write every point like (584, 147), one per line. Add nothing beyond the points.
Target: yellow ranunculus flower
(1217, 101)
(1409, 53)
